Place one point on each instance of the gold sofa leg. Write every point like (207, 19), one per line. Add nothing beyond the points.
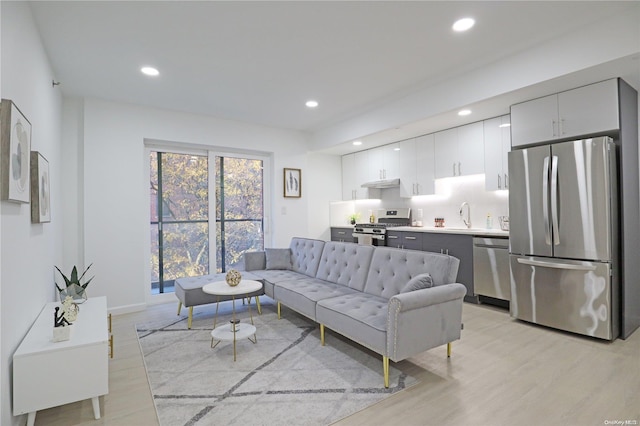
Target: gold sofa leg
(322, 334)
(278, 310)
(179, 307)
(449, 350)
(385, 370)
(190, 317)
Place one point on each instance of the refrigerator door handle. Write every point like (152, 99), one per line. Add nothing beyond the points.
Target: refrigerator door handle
(554, 200)
(556, 265)
(545, 197)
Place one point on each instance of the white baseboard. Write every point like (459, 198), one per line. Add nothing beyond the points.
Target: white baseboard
(128, 309)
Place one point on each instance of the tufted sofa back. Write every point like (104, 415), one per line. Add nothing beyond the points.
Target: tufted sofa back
(391, 269)
(305, 255)
(345, 263)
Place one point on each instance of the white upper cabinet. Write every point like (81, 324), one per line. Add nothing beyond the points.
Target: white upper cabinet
(497, 144)
(446, 153)
(417, 164)
(384, 162)
(425, 165)
(355, 172)
(471, 149)
(579, 112)
(348, 177)
(459, 151)
(589, 109)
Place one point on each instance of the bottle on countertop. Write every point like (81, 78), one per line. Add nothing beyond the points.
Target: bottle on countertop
(489, 221)
(372, 218)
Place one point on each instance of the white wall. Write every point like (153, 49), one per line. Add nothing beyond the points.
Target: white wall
(29, 251)
(113, 189)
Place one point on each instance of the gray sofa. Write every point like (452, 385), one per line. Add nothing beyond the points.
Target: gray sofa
(395, 302)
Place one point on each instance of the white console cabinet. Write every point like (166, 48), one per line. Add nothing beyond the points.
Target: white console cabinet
(48, 374)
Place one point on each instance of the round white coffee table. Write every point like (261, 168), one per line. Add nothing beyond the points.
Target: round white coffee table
(225, 332)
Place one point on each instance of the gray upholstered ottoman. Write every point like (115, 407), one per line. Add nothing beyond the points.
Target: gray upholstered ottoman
(190, 294)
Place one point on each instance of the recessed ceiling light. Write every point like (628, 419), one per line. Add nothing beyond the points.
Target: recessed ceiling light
(463, 24)
(464, 112)
(505, 125)
(312, 104)
(150, 71)
(357, 143)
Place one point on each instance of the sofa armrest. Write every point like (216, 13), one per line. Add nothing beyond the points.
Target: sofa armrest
(423, 319)
(255, 260)
(427, 297)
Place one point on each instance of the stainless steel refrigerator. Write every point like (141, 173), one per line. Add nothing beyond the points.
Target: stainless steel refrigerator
(563, 236)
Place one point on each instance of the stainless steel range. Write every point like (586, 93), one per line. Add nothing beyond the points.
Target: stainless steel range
(375, 233)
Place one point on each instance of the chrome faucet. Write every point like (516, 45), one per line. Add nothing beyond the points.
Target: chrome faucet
(466, 221)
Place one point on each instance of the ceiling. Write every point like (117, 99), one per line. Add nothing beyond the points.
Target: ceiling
(259, 62)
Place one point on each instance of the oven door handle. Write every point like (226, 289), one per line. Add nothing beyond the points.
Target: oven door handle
(379, 237)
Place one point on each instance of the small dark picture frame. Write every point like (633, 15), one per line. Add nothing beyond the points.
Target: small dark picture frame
(292, 183)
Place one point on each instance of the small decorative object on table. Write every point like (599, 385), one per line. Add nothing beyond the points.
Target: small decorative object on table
(73, 285)
(233, 278)
(235, 324)
(61, 327)
(439, 222)
(70, 309)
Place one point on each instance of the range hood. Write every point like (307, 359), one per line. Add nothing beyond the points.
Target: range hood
(382, 184)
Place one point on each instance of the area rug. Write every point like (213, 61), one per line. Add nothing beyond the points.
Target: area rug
(286, 377)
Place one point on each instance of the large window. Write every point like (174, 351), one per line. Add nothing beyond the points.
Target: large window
(239, 209)
(179, 218)
(181, 228)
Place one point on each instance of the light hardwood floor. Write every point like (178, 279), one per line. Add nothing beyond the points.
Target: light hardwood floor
(502, 372)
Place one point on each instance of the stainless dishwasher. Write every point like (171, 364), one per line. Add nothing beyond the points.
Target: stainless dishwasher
(491, 275)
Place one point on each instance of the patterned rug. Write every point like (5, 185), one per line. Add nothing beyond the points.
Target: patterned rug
(287, 377)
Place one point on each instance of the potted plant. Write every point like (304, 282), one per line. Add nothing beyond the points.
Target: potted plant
(73, 285)
(353, 218)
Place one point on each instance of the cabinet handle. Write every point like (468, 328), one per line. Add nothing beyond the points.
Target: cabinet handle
(409, 238)
(111, 346)
(392, 237)
(553, 128)
(459, 169)
(109, 317)
(499, 182)
(341, 232)
(561, 126)
(506, 181)
(417, 189)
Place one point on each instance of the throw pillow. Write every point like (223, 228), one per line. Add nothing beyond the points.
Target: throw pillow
(278, 258)
(418, 282)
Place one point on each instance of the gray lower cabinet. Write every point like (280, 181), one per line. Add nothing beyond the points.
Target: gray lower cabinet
(404, 240)
(460, 246)
(343, 235)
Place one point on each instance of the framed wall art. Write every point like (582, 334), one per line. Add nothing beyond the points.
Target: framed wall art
(15, 148)
(40, 193)
(292, 183)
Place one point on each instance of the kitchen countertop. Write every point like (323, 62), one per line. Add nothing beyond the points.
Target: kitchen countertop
(481, 232)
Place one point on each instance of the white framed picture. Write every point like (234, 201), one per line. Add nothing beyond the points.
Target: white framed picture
(40, 189)
(292, 183)
(15, 148)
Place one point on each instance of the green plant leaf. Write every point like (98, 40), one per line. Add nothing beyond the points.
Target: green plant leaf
(66, 280)
(74, 276)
